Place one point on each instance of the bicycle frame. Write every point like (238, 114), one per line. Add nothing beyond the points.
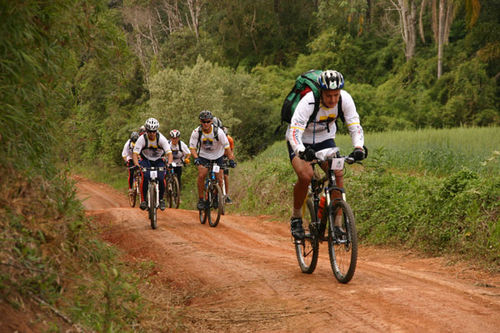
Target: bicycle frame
(337, 220)
(214, 201)
(153, 181)
(211, 178)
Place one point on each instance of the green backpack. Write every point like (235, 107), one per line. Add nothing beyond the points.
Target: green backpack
(304, 83)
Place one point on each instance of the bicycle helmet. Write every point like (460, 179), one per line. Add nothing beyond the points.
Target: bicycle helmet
(331, 80)
(175, 133)
(134, 136)
(142, 129)
(217, 122)
(205, 114)
(152, 124)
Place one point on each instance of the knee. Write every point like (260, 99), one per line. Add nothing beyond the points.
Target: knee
(305, 175)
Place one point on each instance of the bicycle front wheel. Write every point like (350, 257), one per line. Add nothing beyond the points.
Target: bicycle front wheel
(152, 206)
(342, 241)
(206, 211)
(176, 193)
(132, 196)
(168, 193)
(216, 204)
(307, 249)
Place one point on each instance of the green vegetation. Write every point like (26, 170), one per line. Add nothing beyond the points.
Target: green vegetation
(433, 190)
(76, 77)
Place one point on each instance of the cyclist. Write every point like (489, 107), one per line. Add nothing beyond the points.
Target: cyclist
(304, 140)
(208, 143)
(142, 130)
(180, 153)
(152, 146)
(127, 157)
(226, 169)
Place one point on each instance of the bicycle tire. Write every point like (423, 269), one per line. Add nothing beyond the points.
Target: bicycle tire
(216, 207)
(132, 197)
(342, 247)
(153, 213)
(307, 250)
(176, 193)
(168, 193)
(204, 212)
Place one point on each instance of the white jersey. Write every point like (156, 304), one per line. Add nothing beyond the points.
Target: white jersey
(152, 150)
(128, 150)
(179, 152)
(210, 148)
(323, 127)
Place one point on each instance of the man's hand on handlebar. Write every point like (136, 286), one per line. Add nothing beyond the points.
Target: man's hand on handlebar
(232, 163)
(358, 154)
(307, 155)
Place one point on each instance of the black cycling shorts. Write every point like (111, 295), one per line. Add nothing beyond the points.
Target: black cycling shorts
(206, 161)
(330, 143)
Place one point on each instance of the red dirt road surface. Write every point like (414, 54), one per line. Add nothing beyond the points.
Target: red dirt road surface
(243, 276)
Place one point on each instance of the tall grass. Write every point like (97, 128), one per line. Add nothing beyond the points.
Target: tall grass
(435, 151)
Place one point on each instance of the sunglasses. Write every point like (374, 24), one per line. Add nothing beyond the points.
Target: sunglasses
(150, 131)
(206, 121)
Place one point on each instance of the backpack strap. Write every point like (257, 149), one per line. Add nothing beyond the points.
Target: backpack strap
(340, 113)
(215, 128)
(147, 143)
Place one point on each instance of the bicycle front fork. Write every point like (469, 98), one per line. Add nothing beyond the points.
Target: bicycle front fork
(157, 196)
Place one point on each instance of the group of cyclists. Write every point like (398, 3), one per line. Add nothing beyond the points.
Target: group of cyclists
(148, 147)
(210, 142)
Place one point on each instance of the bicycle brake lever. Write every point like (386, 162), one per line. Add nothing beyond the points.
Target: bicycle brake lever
(350, 160)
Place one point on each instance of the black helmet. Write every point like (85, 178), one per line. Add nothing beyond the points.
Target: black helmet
(205, 114)
(134, 136)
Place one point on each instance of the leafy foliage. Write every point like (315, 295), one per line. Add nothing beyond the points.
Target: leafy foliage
(178, 96)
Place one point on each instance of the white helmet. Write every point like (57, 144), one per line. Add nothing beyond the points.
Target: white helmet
(331, 80)
(152, 124)
(175, 133)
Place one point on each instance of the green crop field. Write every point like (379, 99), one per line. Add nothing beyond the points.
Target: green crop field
(434, 190)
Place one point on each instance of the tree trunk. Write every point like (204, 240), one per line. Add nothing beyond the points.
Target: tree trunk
(449, 16)
(435, 23)
(420, 21)
(441, 29)
(408, 18)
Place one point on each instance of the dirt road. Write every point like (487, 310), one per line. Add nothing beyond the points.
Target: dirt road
(243, 276)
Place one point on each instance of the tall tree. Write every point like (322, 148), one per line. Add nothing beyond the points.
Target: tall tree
(407, 10)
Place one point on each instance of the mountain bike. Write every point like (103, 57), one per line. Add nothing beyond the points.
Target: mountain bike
(153, 194)
(340, 234)
(212, 194)
(172, 189)
(136, 189)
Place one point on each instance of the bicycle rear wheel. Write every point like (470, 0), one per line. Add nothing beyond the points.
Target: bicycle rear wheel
(342, 241)
(152, 206)
(307, 249)
(216, 201)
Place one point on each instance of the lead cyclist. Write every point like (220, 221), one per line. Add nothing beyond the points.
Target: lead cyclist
(305, 139)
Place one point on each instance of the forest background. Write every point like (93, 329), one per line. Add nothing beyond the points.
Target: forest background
(78, 76)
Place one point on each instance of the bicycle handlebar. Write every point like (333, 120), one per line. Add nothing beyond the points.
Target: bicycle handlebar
(145, 169)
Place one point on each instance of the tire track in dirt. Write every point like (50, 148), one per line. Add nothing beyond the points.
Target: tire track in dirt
(243, 276)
